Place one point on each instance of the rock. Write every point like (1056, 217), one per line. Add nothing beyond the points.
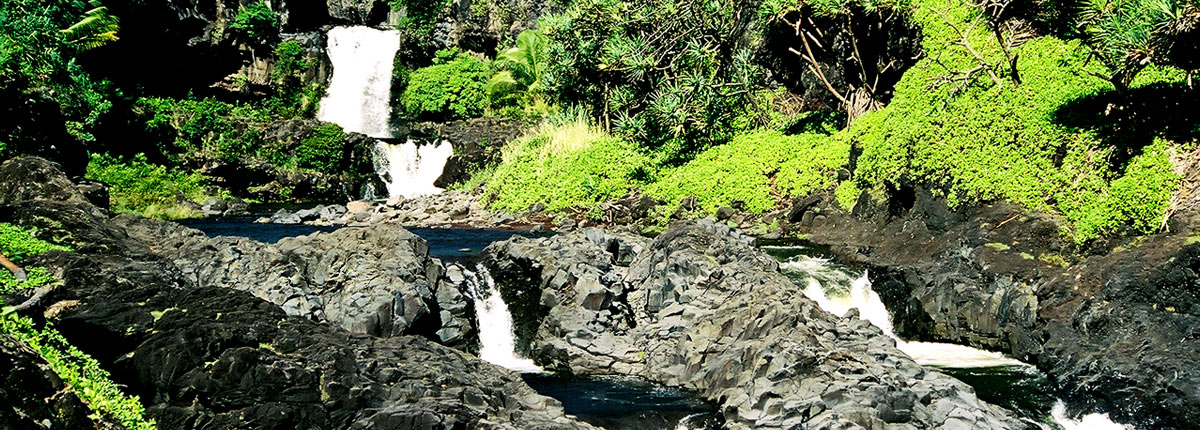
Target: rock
(1000, 278)
(645, 308)
(96, 192)
(312, 214)
(34, 397)
(213, 357)
(282, 216)
(725, 213)
(237, 207)
(358, 206)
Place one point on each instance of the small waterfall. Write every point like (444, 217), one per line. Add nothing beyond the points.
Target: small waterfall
(409, 169)
(360, 89)
(837, 291)
(497, 345)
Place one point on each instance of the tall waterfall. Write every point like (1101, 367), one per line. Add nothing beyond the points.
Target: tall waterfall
(358, 100)
(837, 291)
(360, 90)
(496, 339)
(408, 169)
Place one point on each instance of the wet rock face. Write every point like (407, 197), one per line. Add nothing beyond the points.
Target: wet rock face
(204, 357)
(1118, 328)
(701, 308)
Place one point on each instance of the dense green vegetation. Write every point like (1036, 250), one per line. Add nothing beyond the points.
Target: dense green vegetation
(81, 372)
(566, 166)
(154, 190)
(453, 88)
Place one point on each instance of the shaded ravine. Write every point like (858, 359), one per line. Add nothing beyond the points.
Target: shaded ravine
(997, 378)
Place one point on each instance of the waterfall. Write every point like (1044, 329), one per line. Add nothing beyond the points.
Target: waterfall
(497, 345)
(409, 169)
(837, 291)
(361, 86)
(358, 100)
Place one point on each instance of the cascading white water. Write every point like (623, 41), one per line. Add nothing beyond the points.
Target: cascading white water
(359, 92)
(497, 345)
(409, 170)
(358, 100)
(836, 291)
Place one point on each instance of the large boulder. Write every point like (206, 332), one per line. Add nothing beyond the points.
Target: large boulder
(701, 308)
(377, 280)
(204, 357)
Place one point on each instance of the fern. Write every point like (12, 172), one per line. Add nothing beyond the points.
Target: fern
(96, 29)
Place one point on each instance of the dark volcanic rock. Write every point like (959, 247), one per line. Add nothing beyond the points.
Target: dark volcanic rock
(377, 280)
(1120, 328)
(701, 308)
(218, 358)
(33, 397)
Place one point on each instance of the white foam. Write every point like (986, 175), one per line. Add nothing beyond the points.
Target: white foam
(409, 169)
(1086, 422)
(496, 339)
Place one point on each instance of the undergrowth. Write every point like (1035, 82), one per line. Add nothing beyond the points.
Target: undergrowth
(139, 186)
(82, 373)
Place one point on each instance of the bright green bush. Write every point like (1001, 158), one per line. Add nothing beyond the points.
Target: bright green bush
(139, 186)
(976, 141)
(1136, 200)
(256, 22)
(452, 90)
(847, 194)
(757, 169)
(324, 150)
(19, 243)
(569, 166)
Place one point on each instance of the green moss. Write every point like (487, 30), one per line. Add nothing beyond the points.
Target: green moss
(563, 167)
(756, 169)
(847, 194)
(998, 246)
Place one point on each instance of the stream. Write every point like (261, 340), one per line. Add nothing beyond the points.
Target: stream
(619, 403)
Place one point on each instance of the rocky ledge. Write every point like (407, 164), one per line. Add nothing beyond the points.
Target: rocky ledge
(203, 357)
(1114, 326)
(701, 308)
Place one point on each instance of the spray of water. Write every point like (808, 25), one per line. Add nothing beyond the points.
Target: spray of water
(359, 92)
(409, 169)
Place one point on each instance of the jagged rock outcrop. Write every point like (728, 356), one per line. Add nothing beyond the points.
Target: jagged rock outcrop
(377, 280)
(218, 358)
(1116, 331)
(701, 308)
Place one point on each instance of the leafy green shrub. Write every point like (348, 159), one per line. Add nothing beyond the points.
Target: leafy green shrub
(1136, 200)
(567, 166)
(139, 186)
(670, 75)
(976, 141)
(256, 22)
(756, 169)
(847, 194)
(194, 127)
(324, 150)
(451, 90)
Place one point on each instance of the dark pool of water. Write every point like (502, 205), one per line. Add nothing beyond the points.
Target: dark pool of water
(626, 404)
(448, 244)
(1023, 390)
